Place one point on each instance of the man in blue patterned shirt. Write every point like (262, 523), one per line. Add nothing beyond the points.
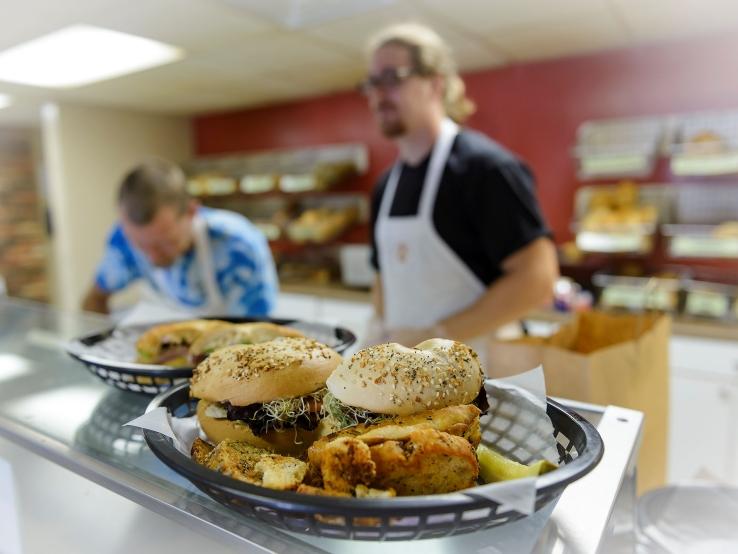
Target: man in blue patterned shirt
(195, 260)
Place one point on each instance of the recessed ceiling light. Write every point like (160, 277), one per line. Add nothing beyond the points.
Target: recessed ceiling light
(5, 101)
(80, 55)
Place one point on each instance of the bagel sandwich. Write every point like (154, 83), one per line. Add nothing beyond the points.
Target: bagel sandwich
(169, 343)
(390, 380)
(240, 333)
(267, 394)
(407, 420)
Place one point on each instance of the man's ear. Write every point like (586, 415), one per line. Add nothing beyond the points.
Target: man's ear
(439, 85)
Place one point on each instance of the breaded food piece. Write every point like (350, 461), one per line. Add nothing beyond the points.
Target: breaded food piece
(462, 421)
(344, 463)
(427, 453)
(247, 463)
(200, 451)
(429, 462)
(361, 491)
(318, 491)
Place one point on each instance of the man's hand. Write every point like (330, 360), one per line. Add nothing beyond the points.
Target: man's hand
(527, 284)
(96, 300)
(412, 337)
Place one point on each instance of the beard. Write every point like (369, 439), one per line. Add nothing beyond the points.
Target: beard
(389, 120)
(393, 129)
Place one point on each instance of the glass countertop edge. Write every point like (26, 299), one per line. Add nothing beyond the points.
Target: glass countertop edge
(148, 494)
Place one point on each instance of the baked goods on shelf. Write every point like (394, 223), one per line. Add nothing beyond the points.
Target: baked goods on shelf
(320, 225)
(211, 183)
(617, 209)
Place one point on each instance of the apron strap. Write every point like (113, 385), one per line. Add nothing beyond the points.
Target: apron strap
(437, 165)
(203, 252)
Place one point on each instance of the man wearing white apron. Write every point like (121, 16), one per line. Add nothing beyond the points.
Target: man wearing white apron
(459, 242)
(193, 261)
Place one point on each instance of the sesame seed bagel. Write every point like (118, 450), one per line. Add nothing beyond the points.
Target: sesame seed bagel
(242, 333)
(395, 380)
(255, 373)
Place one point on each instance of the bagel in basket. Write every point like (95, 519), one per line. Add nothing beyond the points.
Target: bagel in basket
(240, 333)
(268, 394)
(169, 343)
(392, 380)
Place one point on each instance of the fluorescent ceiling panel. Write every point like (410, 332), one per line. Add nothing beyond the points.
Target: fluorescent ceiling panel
(5, 101)
(80, 55)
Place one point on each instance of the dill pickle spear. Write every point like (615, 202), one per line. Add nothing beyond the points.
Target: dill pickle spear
(495, 467)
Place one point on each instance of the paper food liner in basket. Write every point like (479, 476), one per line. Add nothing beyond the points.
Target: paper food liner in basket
(516, 425)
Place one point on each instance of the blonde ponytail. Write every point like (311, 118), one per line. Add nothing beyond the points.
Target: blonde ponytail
(458, 106)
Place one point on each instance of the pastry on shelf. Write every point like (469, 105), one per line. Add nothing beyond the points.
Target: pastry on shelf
(321, 224)
(617, 209)
(206, 184)
(727, 230)
(705, 142)
(258, 183)
(323, 177)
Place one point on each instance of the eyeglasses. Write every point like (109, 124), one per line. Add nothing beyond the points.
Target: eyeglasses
(390, 77)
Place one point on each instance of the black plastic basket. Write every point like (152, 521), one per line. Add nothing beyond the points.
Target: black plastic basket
(104, 354)
(579, 448)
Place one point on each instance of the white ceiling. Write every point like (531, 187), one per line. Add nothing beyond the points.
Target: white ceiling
(253, 52)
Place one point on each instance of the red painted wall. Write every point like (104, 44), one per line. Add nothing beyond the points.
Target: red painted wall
(534, 109)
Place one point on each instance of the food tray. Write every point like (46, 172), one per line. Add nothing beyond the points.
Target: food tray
(108, 354)
(578, 443)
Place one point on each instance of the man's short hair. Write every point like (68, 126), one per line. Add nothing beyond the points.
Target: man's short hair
(153, 184)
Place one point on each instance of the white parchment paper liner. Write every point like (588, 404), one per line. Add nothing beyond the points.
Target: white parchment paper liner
(517, 425)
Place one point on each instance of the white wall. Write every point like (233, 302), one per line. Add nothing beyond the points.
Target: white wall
(87, 150)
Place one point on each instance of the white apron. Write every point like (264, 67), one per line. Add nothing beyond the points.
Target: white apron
(160, 305)
(423, 280)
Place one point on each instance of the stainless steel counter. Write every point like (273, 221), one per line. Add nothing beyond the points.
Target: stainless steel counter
(51, 406)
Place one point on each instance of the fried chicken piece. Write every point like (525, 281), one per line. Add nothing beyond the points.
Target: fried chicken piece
(429, 462)
(361, 491)
(462, 421)
(427, 453)
(318, 491)
(200, 451)
(247, 463)
(344, 463)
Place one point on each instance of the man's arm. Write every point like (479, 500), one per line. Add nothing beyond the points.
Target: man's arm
(96, 300)
(528, 281)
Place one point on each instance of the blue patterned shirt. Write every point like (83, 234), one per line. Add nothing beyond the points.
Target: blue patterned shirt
(244, 267)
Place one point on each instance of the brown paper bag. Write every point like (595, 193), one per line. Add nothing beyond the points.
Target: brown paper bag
(604, 358)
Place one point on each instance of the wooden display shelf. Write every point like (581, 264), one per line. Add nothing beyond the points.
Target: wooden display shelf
(240, 196)
(358, 234)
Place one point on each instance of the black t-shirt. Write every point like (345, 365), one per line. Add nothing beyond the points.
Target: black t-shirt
(486, 208)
